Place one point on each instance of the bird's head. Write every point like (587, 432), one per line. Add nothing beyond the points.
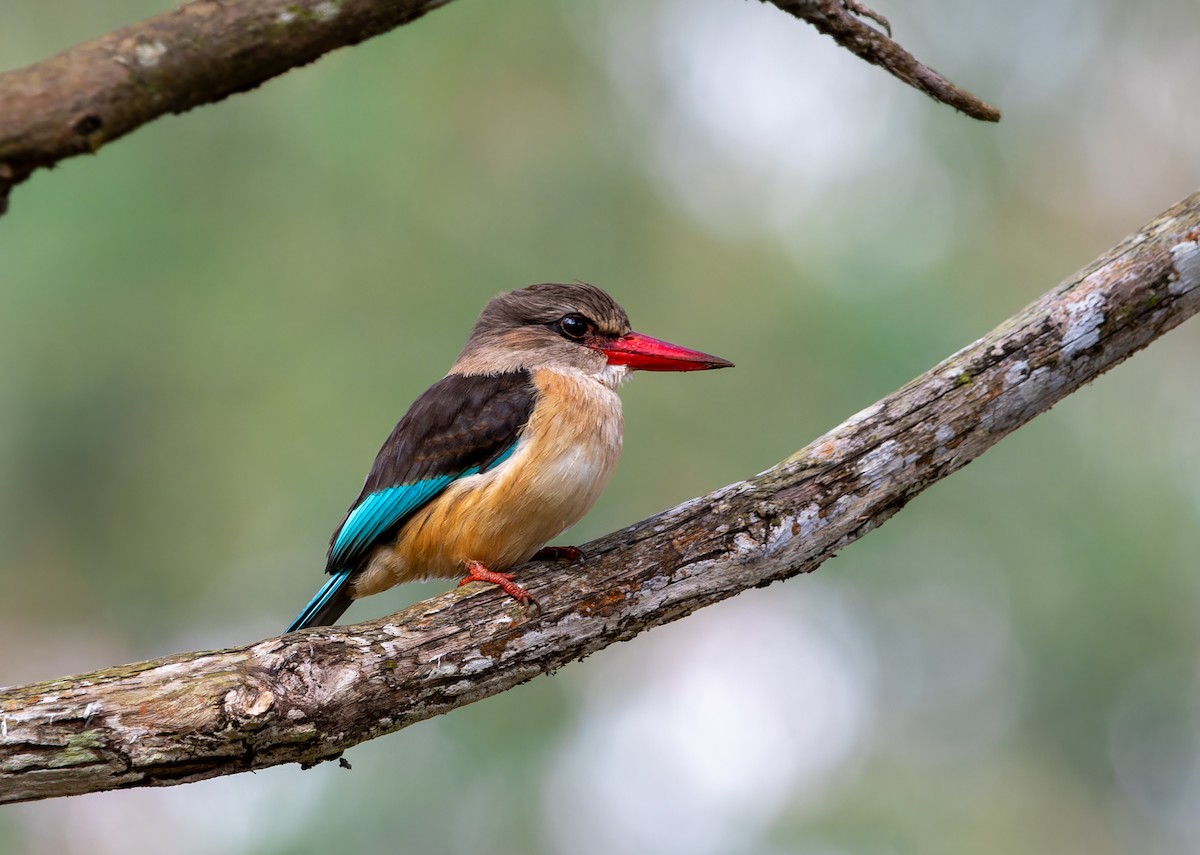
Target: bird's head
(569, 327)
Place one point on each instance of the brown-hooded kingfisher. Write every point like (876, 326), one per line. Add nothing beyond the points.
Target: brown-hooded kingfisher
(508, 450)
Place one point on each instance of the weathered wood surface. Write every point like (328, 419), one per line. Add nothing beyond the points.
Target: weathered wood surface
(308, 696)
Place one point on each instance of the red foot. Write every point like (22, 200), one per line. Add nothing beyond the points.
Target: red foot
(476, 572)
(559, 553)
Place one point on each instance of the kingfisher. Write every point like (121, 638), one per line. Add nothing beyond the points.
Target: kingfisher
(508, 450)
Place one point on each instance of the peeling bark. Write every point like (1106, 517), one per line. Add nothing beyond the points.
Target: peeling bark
(204, 51)
(307, 697)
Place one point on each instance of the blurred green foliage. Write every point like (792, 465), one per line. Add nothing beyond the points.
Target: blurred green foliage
(208, 329)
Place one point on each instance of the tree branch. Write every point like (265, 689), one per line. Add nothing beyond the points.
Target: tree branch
(841, 19)
(202, 52)
(207, 50)
(307, 697)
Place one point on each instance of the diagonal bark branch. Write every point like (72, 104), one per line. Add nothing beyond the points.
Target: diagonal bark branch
(308, 696)
(842, 20)
(206, 50)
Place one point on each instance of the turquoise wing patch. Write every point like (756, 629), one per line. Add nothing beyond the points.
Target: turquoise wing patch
(386, 508)
(380, 511)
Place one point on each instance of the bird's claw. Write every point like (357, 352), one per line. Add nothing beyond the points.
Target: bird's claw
(476, 572)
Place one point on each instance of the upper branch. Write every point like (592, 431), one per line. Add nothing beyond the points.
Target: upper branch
(202, 52)
(308, 696)
(842, 20)
(207, 50)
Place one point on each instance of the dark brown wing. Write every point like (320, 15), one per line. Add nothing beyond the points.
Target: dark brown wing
(461, 425)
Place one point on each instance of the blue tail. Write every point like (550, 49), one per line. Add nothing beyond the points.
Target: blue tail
(327, 606)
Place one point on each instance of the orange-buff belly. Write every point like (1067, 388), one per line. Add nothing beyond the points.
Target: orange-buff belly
(500, 518)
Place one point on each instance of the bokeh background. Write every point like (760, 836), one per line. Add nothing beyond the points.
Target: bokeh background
(207, 330)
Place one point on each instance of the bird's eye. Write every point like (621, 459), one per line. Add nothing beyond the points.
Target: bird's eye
(574, 327)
